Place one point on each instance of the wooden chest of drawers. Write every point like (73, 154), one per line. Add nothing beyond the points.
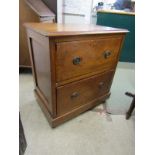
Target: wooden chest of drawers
(73, 66)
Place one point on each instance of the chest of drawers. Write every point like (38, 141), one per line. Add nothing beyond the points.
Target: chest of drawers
(73, 66)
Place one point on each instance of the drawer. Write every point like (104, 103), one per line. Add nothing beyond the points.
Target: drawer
(78, 93)
(78, 58)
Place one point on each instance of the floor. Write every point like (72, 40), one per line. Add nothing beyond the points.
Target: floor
(100, 131)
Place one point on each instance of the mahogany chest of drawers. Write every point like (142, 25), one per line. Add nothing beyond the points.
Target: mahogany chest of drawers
(73, 66)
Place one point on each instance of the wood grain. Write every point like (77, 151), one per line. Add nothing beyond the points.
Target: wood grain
(64, 85)
(81, 92)
(91, 54)
(40, 57)
(53, 29)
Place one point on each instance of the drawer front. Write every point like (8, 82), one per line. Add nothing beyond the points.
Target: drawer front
(78, 93)
(83, 57)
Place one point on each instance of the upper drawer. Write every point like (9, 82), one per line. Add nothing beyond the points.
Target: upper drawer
(77, 58)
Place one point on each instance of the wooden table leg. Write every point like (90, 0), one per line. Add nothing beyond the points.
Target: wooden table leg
(132, 106)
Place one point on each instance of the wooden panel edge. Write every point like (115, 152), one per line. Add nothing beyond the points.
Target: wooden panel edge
(85, 76)
(85, 37)
(53, 76)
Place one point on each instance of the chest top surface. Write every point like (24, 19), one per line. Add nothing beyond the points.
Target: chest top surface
(50, 29)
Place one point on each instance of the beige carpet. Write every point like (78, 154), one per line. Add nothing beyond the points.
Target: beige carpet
(93, 133)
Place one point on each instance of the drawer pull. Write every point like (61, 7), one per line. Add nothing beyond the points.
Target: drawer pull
(101, 85)
(107, 54)
(74, 95)
(76, 60)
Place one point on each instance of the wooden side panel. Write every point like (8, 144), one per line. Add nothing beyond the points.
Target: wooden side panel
(40, 57)
(42, 66)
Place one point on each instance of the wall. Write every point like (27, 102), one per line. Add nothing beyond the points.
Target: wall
(73, 19)
(94, 19)
(78, 19)
(59, 11)
(77, 11)
(63, 16)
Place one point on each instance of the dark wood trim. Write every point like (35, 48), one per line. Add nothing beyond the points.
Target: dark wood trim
(53, 76)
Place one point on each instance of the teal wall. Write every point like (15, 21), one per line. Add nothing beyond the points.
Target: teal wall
(121, 21)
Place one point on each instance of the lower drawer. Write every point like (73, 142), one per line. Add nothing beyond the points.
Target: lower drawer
(78, 93)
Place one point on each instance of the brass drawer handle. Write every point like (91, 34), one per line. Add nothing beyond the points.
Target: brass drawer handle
(101, 85)
(76, 60)
(74, 95)
(106, 54)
